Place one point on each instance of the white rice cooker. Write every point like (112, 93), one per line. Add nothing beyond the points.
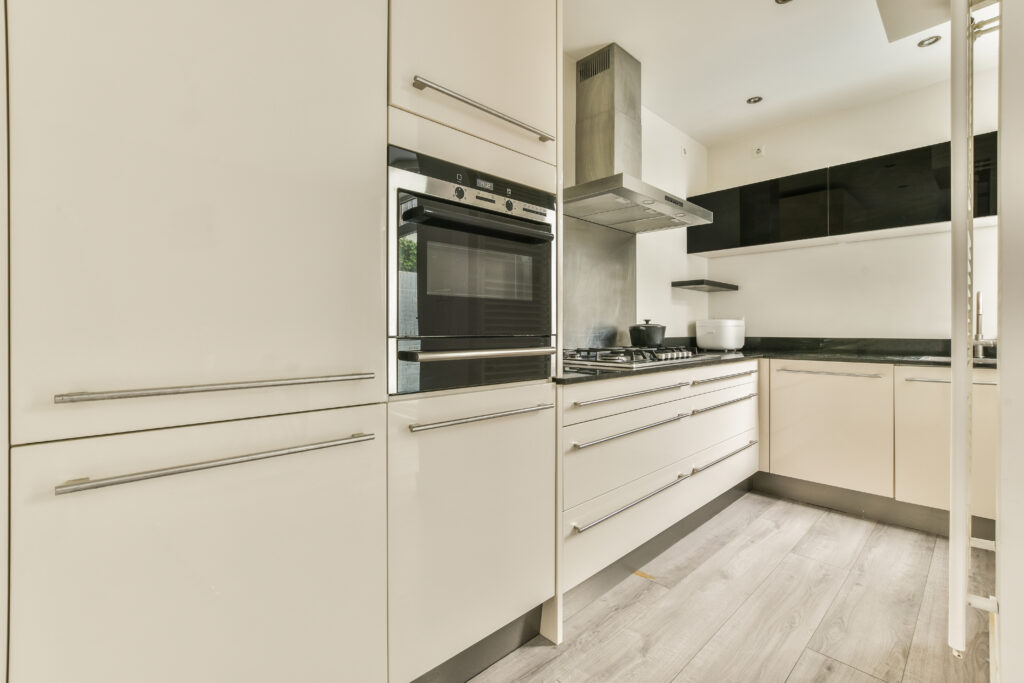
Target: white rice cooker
(721, 335)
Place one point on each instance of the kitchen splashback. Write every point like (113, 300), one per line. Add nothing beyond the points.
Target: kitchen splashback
(599, 272)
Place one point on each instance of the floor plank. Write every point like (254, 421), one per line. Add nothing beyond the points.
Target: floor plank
(588, 628)
(658, 644)
(871, 624)
(764, 639)
(835, 539)
(931, 660)
(814, 667)
(680, 560)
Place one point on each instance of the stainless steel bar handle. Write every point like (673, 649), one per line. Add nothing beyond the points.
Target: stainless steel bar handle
(724, 457)
(436, 356)
(81, 396)
(86, 484)
(935, 380)
(678, 385)
(698, 411)
(422, 83)
(478, 418)
(832, 374)
(580, 529)
(588, 444)
(724, 377)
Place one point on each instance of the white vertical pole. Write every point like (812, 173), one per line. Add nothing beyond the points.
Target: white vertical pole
(962, 182)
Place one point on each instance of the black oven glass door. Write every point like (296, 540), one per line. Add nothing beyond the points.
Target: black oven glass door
(434, 364)
(466, 272)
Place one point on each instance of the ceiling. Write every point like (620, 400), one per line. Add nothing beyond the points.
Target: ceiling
(701, 60)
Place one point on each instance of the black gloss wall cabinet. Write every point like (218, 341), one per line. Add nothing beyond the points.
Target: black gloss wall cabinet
(894, 190)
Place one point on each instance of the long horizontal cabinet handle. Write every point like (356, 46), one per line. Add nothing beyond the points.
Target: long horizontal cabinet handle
(724, 377)
(698, 411)
(935, 380)
(82, 396)
(86, 484)
(422, 83)
(479, 418)
(475, 354)
(659, 423)
(678, 385)
(679, 478)
(831, 374)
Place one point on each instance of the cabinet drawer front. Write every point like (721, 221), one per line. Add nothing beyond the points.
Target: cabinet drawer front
(832, 423)
(202, 575)
(592, 400)
(922, 438)
(620, 520)
(167, 230)
(519, 42)
(603, 454)
(470, 519)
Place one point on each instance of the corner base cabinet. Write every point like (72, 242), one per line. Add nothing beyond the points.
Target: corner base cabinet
(471, 536)
(832, 423)
(259, 570)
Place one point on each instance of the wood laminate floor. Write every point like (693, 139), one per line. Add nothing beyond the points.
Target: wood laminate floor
(770, 591)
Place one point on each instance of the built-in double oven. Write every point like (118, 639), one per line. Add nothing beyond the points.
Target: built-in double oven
(470, 277)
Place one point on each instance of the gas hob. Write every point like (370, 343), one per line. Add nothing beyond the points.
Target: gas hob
(632, 357)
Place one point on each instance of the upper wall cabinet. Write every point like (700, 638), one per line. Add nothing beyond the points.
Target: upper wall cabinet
(895, 190)
(502, 55)
(790, 208)
(188, 217)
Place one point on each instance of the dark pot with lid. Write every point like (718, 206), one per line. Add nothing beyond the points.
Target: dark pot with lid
(646, 334)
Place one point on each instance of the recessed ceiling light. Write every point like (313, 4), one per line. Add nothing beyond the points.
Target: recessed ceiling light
(648, 201)
(754, 100)
(783, 2)
(930, 40)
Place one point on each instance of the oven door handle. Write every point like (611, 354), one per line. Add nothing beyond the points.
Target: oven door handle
(434, 356)
(428, 212)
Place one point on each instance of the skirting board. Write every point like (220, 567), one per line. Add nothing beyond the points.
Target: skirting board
(878, 508)
(483, 654)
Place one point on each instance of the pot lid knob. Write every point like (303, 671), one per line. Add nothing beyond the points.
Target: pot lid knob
(647, 321)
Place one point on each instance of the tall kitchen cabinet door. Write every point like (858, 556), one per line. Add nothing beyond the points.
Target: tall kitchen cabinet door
(226, 568)
(471, 519)
(502, 55)
(197, 199)
(832, 423)
(922, 438)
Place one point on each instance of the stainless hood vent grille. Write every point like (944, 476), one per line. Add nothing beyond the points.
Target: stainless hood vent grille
(608, 152)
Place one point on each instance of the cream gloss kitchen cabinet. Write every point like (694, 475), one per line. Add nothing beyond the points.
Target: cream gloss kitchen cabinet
(471, 536)
(259, 570)
(197, 199)
(832, 423)
(502, 55)
(922, 438)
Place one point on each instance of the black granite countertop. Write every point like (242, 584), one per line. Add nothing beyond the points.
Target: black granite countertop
(921, 352)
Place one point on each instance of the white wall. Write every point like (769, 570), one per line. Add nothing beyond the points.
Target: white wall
(1010, 530)
(895, 287)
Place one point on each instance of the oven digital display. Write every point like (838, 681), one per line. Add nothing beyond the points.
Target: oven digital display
(485, 184)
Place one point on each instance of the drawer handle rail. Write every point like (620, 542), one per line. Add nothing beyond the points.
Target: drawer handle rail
(478, 418)
(698, 411)
(832, 374)
(680, 477)
(935, 380)
(476, 354)
(723, 377)
(86, 484)
(422, 83)
(674, 418)
(82, 396)
(724, 457)
(595, 401)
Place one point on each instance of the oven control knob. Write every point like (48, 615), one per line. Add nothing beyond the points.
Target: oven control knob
(459, 193)
(508, 204)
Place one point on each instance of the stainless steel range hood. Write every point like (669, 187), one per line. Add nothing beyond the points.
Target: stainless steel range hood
(609, 191)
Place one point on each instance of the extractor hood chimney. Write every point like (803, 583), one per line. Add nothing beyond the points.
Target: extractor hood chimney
(609, 152)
